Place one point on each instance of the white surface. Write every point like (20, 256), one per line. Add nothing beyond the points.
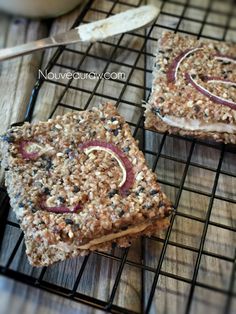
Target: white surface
(38, 8)
(197, 125)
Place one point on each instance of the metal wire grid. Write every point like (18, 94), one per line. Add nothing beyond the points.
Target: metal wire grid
(137, 127)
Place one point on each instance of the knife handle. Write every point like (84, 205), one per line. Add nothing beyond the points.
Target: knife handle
(24, 49)
(54, 41)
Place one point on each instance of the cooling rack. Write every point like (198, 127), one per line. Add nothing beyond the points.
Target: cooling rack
(191, 268)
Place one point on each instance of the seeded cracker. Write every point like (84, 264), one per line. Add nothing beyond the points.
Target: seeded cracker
(70, 197)
(179, 107)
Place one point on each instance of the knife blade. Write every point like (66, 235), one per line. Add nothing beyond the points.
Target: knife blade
(91, 32)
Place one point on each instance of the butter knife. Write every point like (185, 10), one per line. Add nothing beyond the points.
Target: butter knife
(91, 32)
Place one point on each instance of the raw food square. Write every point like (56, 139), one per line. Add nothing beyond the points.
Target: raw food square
(194, 88)
(79, 183)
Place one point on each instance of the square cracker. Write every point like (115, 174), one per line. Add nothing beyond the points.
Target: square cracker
(62, 175)
(175, 106)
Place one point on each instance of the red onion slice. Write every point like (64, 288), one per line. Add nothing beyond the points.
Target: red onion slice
(225, 58)
(24, 150)
(216, 79)
(76, 208)
(59, 209)
(173, 69)
(205, 92)
(32, 150)
(123, 159)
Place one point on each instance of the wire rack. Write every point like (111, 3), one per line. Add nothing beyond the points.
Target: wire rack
(169, 269)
